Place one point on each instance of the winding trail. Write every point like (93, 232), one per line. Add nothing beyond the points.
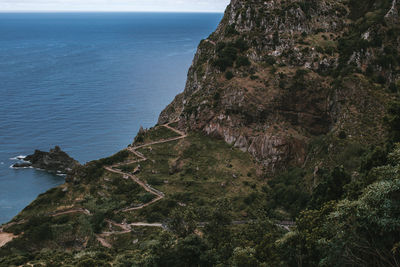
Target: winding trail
(158, 194)
(127, 228)
(70, 211)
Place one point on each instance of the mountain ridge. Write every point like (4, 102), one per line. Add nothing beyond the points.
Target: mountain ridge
(291, 83)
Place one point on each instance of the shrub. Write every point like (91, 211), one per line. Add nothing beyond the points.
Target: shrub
(285, 192)
(230, 30)
(270, 60)
(331, 187)
(97, 221)
(226, 56)
(229, 75)
(147, 197)
(369, 71)
(342, 135)
(241, 44)
(393, 88)
(275, 38)
(242, 61)
(223, 63)
(380, 79)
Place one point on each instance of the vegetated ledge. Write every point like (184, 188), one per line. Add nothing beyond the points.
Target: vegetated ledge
(55, 160)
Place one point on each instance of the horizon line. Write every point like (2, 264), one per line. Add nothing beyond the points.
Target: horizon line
(106, 11)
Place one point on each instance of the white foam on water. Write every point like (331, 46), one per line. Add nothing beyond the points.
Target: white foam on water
(20, 157)
(16, 168)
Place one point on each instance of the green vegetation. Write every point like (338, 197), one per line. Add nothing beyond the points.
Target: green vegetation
(242, 61)
(228, 54)
(229, 75)
(153, 135)
(335, 201)
(196, 170)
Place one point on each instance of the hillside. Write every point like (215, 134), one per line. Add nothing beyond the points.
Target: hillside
(281, 151)
(277, 74)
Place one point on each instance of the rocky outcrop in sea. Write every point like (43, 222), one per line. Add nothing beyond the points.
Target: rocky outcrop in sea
(55, 160)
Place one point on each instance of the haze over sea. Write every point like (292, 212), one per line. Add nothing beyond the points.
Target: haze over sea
(85, 82)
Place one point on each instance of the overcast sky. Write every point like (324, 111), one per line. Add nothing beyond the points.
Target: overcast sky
(114, 5)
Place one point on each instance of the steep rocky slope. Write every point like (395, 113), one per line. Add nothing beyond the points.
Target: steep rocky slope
(276, 74)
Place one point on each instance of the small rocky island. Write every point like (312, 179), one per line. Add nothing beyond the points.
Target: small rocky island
(55, 160)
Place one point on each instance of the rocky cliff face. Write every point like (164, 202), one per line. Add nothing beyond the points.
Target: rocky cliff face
(276, 74)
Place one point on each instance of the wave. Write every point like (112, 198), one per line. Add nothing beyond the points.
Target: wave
(16, 168)
(20, 157)
(58, 173)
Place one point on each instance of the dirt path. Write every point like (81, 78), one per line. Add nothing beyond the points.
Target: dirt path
(5, 238)
(127, 228)
(159, 195)
(160, 142)
(147, 224)
(73, 210)
(103, 242)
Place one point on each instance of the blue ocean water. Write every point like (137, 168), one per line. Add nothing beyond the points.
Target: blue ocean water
(85, 82)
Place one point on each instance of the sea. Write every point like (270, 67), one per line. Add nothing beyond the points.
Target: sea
(85, 82)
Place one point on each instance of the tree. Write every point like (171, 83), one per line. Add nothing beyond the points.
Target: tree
(183, 222)
(217, 230)
(243, 257)
(189, 252)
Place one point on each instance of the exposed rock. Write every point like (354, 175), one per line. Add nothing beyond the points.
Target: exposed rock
(392, 17)
(137, 170)
(176, 166)
(55, 160)
(289, 93)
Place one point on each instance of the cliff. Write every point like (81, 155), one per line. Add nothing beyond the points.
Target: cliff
(277, 74)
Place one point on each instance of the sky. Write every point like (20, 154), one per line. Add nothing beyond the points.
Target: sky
(114, 5)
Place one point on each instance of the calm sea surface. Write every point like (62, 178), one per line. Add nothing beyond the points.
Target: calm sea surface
(85, 82)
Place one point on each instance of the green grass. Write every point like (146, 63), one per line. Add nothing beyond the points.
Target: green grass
(155, 134)
(174, 125)
(206, 170)
(195, 171)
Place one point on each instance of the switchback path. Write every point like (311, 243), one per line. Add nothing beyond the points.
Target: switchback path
(158, 194)
(127, 228)
(73, 210)
(7, 237)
